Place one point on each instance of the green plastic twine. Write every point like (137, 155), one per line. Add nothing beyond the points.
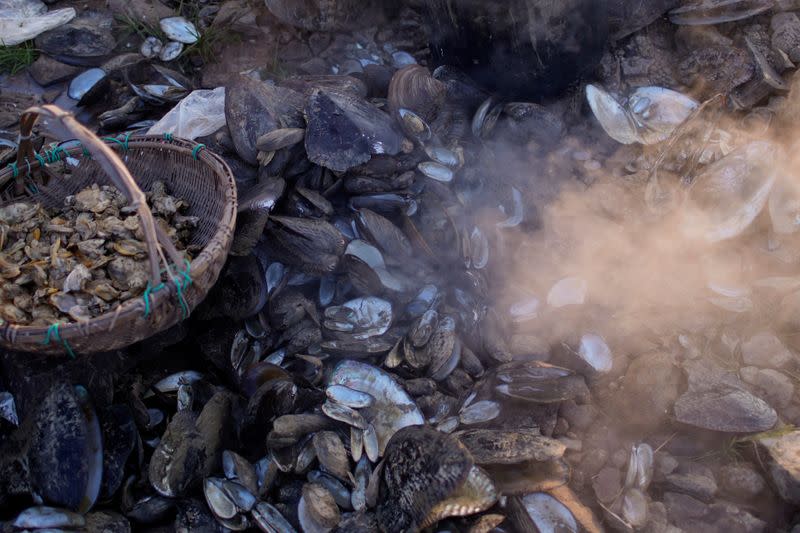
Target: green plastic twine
(146, 296)
(53, 155)
(181, 283)
(167, 136)
(53, 331)
(14, 169)
(124, 145)
(197, 149)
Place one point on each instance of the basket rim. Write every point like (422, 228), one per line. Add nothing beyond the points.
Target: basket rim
(223, 235)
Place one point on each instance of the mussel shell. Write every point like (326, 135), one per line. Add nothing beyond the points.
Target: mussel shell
(332, 454)
(242, 289)
(307, 84)
(414, 88)
(540, 511)
(491, 446)
(422, 468)
(393, 408)
(538, 382)
(269, 519)
(344, 131)
(66, 451)
(280, 138)
(475, 495)
(253, 108)
(380, 231)
(88, 86)
(273, 399)
(120, 438)
(41, 517)
(529, 476)
(718, 11)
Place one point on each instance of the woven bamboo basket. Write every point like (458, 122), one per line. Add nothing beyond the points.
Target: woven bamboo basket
(189, 172)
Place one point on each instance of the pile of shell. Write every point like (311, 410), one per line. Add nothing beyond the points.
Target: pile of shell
(358, 373)
(83, 259)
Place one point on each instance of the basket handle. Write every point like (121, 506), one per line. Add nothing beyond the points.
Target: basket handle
(65, 126)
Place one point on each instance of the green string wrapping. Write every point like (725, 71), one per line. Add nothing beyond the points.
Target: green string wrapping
(123, 144)
(181, 282)
(54, 154)
(52, 331)
(14, 169)
(167, 136)
(197, 149)
(40, 159)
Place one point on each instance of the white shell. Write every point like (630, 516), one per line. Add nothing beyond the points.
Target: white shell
(179, 29)
(170, 51)
(151, 47)
(27, 20)
(657, 112)
(83, 83)
(725, 199)
(549, 514)
(393, 408)
(612, 116)
(596, 353)
(784, 205)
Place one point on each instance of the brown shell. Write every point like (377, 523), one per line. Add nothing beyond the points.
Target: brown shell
(412, 87)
